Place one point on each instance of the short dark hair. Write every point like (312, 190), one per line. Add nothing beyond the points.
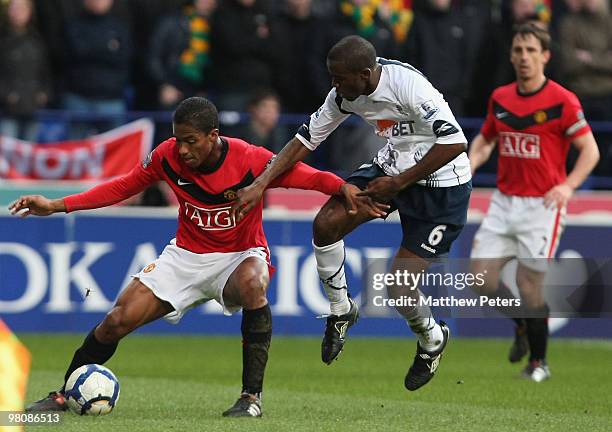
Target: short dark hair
(531, 28)
(260, 95)
(198, 112)
(355, 52)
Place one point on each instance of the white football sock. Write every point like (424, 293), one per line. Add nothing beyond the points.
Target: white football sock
(424, 326)
(430, 334)
(330, 265)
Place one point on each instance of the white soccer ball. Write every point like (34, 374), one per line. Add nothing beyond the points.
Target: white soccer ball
(92, 389)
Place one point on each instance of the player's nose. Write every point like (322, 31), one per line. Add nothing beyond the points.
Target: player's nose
(183, 150)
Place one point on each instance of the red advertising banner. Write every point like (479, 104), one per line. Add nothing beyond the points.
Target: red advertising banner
(98, 157)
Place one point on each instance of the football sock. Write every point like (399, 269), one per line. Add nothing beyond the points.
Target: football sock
(330, 265)
(425, 327)
(256, 335)
(537, 333)
(91, 352)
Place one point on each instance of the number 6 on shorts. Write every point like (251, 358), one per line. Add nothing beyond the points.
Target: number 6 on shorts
(436, 234)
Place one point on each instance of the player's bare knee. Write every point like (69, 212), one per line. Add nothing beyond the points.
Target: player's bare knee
(253, 286)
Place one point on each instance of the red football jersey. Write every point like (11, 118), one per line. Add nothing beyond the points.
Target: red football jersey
(205, 197)
(533, 133)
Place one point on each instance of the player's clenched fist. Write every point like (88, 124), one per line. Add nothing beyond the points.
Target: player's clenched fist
(36, 205)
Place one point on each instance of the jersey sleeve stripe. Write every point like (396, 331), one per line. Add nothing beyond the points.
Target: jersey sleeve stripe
(576, 127)
(304, 132)
(306, 142)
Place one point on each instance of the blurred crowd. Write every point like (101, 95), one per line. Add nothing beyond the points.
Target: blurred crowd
(264, 57)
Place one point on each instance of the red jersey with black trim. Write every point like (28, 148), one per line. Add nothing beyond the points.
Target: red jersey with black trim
(533, 133)
(205, 197)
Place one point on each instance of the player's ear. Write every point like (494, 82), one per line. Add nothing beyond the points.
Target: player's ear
(213, 135)
(546, 55)
(365, 74)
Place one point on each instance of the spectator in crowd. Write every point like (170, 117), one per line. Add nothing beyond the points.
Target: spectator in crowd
(244, 51)
(97, 64)
(296, 28)
(352, 17)
(145, 17)
(360, 17)
(262, 128)
(399, 16)
(51, 17)
(586, 41)
(520, 12)
(24, 72)
(444, 43)
(179, 54)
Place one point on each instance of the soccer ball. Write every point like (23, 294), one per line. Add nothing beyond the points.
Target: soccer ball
(92, 389)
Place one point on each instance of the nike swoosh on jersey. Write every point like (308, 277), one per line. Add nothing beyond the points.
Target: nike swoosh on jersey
(202, 195)
(180, 182)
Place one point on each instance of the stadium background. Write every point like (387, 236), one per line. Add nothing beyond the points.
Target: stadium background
(47, 265)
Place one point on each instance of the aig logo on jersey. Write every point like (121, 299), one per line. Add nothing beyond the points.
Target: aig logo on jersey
(519, 145)
(216, 219)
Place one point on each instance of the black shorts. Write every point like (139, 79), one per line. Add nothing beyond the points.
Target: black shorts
(432, 217)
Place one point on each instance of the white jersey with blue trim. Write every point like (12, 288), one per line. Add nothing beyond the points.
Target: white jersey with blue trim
(409, 112)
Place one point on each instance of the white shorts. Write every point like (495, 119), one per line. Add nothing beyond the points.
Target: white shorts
(186, 279)
(520, 227)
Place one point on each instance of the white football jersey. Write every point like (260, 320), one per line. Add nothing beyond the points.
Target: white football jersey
(405, 109)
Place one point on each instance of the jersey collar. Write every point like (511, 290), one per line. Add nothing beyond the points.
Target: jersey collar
(536, 91)
(382, 83)
(215, 167)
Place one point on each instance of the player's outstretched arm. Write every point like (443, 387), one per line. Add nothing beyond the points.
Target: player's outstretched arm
(588, 156)
(37, 205)
(249, 196)
(479, 152)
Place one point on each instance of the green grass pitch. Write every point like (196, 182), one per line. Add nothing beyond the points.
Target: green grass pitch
(183, 383)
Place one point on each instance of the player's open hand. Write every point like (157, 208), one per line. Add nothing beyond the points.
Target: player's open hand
(36, 205)
(558, 196)
(247, 198)
(353, 201)
(381, 189)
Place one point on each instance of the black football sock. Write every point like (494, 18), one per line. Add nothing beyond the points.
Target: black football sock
(91, 352)
(256, 335)
(537, 333)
